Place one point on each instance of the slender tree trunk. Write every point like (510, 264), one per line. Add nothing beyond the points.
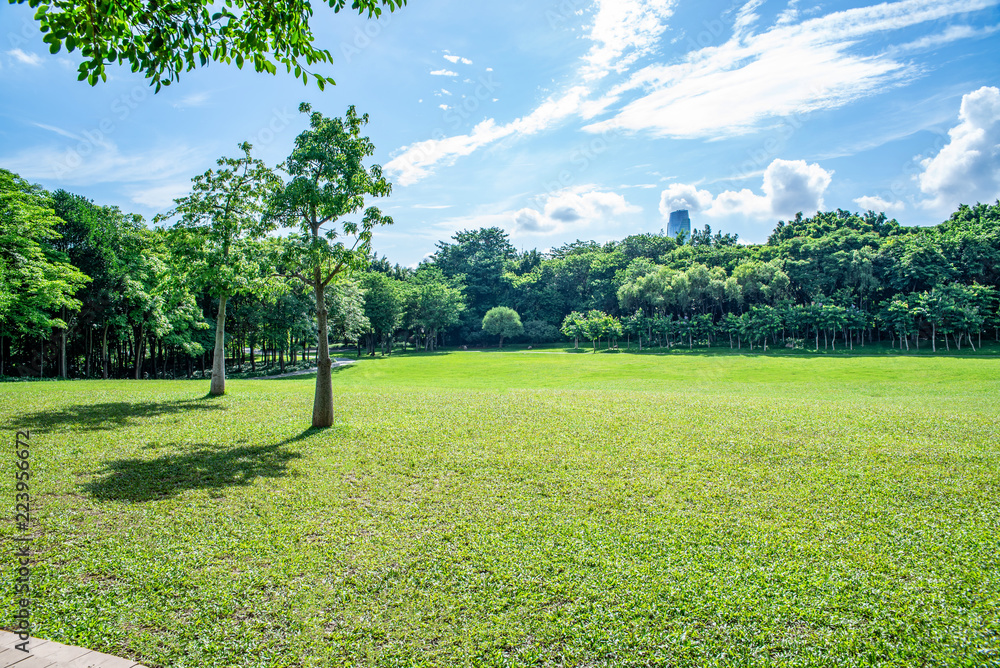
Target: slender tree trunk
(139, 343)
(63, 370)
(218, 386)
(323, 401)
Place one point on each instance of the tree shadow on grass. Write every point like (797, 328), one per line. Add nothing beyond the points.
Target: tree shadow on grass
(107, 415)
(206, 466)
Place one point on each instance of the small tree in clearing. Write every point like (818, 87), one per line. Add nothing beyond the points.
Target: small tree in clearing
(503, 322)
(573, 327)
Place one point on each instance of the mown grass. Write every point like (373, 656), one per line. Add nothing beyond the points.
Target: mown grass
(525, 509)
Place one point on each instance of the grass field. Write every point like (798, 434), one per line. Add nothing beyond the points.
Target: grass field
(524, 509)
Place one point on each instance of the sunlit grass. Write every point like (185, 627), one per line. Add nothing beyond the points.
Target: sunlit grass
(523, 509)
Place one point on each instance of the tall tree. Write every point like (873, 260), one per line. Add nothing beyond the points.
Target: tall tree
(220, 223)
(328, 182)
(37, 282)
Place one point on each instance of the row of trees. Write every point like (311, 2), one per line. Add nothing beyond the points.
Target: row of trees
(71, 260)
(91, 291)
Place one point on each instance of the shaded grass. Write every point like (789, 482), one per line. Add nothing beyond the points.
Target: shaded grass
(527, 509)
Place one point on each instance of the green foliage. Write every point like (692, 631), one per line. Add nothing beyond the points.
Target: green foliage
(328, 181)
(221, 224)
(433, 303)
(36, 281)
(164, 39)
(503, 322)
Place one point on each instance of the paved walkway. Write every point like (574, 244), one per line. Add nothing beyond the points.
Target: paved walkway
(337, 361)
(47, 654)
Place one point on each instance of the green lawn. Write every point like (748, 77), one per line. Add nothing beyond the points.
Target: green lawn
(525, 508)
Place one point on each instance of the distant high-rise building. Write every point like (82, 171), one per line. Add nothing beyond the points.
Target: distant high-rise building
(679, 222)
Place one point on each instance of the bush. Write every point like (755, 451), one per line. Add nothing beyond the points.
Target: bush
(539, 331)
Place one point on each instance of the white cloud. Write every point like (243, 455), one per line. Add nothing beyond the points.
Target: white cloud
(576, 208)
(444, 73)
(876, 203)
(416, 161)
(950, 34)
(431, 206)
(792, 186)
(88, 163)
(443, 107)
(25, 58)
(786, 70)
(59, 131)
(788, 186)
(161, 197)
(967, 168)
(457, 59)
(623, 32)
(193, 100)
(683, 196)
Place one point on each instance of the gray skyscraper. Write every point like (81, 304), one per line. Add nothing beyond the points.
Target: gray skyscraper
(679, 220)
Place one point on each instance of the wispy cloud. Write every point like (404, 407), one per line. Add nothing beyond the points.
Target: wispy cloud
(416, 161)
(786, 70)
(25, 58)
(758, 76)
(160, 197)
(193, 100)
(58, 131)
(622, 32)
(444, 73)
(92, 163)
(457, 59)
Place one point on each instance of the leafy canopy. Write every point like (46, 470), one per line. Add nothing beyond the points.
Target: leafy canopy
(165, 38)
(221, 224)
(329, 181)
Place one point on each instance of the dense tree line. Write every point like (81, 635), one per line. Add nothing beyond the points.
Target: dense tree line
(91, 291)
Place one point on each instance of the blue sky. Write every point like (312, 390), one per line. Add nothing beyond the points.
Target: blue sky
(563, 119)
